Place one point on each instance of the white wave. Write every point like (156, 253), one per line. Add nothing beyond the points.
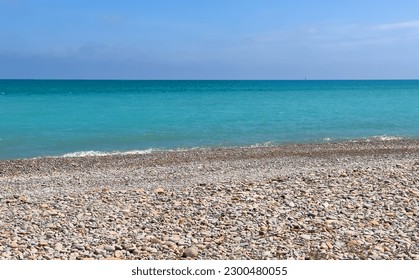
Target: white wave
(98, 153)
(265, 144)
(386, 138)
(379, 138)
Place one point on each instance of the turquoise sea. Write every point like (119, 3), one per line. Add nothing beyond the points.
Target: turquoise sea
(78, 117)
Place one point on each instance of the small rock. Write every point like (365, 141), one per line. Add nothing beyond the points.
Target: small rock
(379, 248)
(182, 242)
(130, 248)
(349, 232)
(174, 238)
(374, 223)
(155, 240)
(266, 254)
(73, 256)
(263, 228)
(118, 254)
(306, 237)
(237, 239)
(79, 247)
(151, 250)
(179, 229)
(109, 248)
(353, 243)
(58, 246)
(171, 245)
(159, 190)
(5, 254)
(190, 252)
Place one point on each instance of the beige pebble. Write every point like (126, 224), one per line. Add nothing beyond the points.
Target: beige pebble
(159, 190)
(118, 254)
(190, 252)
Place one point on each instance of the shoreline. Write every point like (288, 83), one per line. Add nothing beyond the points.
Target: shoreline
(342, 200)
(352, 147)
(269, 144)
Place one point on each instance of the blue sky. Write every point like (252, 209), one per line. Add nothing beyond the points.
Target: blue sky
(209, 39)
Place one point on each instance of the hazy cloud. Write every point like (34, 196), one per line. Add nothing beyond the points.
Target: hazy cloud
(399, 25)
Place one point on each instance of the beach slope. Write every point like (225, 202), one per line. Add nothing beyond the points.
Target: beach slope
(350, 200)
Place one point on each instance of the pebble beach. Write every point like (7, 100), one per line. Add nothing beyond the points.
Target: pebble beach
(349, 200)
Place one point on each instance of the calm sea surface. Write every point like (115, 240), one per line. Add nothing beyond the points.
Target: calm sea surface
(54, 118)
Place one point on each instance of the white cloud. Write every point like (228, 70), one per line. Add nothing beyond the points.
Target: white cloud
(414, 24)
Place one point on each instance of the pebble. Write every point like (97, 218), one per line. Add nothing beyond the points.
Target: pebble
(266, 254)
(159, 190)
(118, 254)
(171, 245)
(306, 237)
(58, 246)
(130, 248)
(291, 202)
(151, 250)
(191, 252)
(109, 248)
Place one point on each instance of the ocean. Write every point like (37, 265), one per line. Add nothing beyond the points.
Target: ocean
(40, 118)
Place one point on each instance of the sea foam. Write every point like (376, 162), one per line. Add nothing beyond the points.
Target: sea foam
(99, 153)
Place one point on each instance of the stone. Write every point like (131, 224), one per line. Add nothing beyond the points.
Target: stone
(306, 237)
(58, 246)
(330, 245)
(155, 240)
(171, 245)
(379, 248)
(73, 256)
(349, 232)
(266, 254)
(130, 247)
(118, 254)
(159, 190)
(353, 243)
(109, 248)
(174, 238)
(374, 223)
(151, 250)
(263, 228)
(191, 252)
(182, 242)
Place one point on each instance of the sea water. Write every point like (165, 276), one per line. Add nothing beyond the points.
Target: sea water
(79, 117)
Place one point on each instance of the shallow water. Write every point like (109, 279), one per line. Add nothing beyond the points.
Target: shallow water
(52, 118)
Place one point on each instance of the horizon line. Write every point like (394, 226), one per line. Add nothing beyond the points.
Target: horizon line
(116, 79)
